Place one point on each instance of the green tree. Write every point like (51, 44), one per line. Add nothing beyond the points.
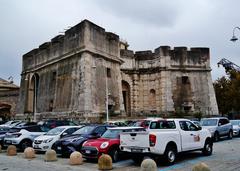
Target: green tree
(227, 91)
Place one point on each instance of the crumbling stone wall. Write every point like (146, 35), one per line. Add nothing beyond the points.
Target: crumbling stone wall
(72, 74)
(69, 77)
(180, 79)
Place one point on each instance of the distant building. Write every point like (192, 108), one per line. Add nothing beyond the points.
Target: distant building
(9, 95)
(78, 73)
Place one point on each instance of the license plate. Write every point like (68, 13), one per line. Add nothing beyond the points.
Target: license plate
(8, 141)
(59, 148)
(136, 150)
(35, 146)
(87, 151)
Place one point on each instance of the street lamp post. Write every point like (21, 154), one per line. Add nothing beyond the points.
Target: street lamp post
(35, 99)
(234, 38)
(107, 98)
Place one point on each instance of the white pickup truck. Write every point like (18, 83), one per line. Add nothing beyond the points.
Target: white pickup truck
(167, 138)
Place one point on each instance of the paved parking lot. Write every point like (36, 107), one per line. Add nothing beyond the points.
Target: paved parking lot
(226, 157)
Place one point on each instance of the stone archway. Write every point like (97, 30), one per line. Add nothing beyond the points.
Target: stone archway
(32, 94)
(5, 111)
(152, 100)
(126, 97)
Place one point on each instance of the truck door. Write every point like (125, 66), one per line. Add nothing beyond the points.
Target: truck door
(190, 136)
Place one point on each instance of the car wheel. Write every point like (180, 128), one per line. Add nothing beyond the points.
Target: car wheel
(25, 144)
(114, 153)
(230, 135)
(216, 137)
(208, 147)
(170, 155)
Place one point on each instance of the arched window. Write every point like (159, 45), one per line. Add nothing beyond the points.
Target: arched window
(152, 99)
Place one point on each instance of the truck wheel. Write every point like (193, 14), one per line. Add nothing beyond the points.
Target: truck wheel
(170, 155)
(230, 135)
(208, 147)
(216, 137)
(25, 143)
(114, 153)
(137, 159)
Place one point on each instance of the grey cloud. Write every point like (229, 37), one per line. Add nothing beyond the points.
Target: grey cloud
(157, 13)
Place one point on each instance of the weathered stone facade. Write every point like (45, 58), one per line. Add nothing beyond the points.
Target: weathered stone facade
(168, 80)
(9, 95)
(72, 75)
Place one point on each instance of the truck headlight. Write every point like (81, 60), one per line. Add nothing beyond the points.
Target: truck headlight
(104, 145)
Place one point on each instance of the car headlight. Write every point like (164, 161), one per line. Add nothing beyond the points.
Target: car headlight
(73, 140)
(84, 143)
(48, 140)
(104, 145)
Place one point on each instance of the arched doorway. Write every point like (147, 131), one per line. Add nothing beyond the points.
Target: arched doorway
(5, 111)
(32, 94)
(126, 97)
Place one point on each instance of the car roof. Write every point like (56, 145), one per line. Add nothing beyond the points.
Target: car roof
(69, 126)
(215, 118)
(125, 128)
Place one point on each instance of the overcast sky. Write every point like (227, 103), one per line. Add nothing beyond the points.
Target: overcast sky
(145, 24)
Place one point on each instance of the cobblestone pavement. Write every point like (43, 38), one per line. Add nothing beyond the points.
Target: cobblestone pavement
(226, 157)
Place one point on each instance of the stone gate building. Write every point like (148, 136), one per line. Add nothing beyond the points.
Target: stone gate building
(81, 72)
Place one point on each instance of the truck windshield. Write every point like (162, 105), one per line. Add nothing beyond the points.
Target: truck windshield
(209, 122)
(162, 125)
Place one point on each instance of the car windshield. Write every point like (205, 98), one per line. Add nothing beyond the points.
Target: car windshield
(55, 131)
(4, 128)
(111, 134)
(209, 122)
(235, 122)
(84, 130)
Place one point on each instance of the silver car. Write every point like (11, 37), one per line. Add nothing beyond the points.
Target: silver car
(218, 126)
(236, 127)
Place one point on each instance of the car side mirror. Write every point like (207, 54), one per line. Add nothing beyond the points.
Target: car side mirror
(219, 124)
(95, 135)
(199, 127)
(64, 134)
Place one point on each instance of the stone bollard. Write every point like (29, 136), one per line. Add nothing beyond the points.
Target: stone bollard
(148, 165)
(76, 158)
(50, 155)
(29, 153)
(105, 162)
(201, 167)
(11, 150)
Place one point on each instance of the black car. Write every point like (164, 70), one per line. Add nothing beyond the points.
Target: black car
(3, 131)
(65, 146)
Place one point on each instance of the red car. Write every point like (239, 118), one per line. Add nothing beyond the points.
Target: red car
(107, 144)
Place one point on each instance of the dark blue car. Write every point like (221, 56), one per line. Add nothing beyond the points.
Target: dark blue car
(3, 131)
(65, 146)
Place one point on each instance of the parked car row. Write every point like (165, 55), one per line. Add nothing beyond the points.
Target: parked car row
(152, 136)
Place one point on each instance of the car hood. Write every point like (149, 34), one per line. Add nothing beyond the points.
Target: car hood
(72, 137)
(45, 137)
(96, 142)
(209, 127)
(236, 127)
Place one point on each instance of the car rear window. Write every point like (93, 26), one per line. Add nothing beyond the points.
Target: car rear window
(162, 125)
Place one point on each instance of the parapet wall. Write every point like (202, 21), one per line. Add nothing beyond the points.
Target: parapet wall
(85, 36)
(164, 56)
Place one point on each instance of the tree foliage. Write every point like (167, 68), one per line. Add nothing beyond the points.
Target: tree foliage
(227, 89)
